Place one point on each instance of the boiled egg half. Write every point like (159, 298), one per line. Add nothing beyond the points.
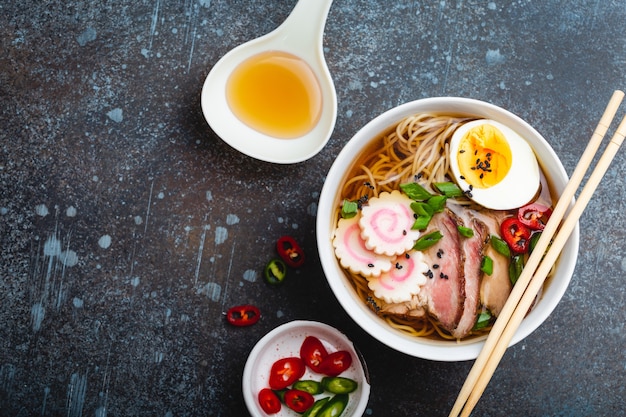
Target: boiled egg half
(494, 165)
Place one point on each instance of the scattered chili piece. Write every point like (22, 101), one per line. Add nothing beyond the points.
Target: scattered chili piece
(516, 234)
(534, 216)
(275, 272)
(243, 315)
(290, 252)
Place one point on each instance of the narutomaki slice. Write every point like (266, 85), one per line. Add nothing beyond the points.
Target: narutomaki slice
(403, 280)
(386, 223)
(352, 253)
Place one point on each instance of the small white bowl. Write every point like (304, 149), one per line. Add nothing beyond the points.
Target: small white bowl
(285, 341)
(341, 285)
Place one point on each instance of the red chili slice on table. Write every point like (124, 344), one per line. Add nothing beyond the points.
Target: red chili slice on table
(299, 401)
(243, 315)
(290, 252)
(335, 363)
(516, 234)
(534, 216)
(269, 401)
(285, 372)
(313, 352)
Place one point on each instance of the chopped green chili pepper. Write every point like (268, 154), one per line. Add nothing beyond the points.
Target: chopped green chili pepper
(449, 189)
(317, 407)
(339, 384)
(486, 265)
(309, 385)
(335, 406)
(465, 231)
(500, 246)
(415, 191)
(275, 271)
(515, 268)
(483, 320)
(427, 240)
(349, 209)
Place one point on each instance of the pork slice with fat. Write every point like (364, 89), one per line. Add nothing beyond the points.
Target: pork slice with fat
(472, 249)
(444, 292)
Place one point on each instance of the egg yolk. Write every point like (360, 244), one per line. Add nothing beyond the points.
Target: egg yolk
(484, 156)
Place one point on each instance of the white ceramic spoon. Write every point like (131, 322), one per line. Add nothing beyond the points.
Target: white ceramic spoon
(301, 34)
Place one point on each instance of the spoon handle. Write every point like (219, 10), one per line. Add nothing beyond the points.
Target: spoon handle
(304, 27)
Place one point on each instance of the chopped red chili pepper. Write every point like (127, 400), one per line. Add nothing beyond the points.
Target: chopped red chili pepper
(516, 234)
(534, 216)
(243, 315)
(285, 372)
(290, 252)
(299, 401)
(269, 401)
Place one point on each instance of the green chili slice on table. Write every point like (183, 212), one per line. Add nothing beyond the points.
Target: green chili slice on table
(275, 271)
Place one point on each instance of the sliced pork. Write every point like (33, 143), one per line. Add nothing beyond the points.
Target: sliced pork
(443, 294)
(472, 255)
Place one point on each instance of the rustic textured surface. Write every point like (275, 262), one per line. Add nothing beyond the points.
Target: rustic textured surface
(127, 227)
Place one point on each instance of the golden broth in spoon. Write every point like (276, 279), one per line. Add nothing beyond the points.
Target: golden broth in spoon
(275, 93)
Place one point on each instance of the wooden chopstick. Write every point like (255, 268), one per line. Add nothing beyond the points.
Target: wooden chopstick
(501, 333)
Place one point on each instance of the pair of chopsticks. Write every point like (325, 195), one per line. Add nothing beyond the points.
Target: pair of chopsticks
(534, 274)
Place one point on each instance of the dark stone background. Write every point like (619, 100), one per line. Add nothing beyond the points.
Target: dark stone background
(127, 227)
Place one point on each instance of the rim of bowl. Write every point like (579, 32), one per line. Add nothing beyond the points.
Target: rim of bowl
(290, 336)
(340, 284)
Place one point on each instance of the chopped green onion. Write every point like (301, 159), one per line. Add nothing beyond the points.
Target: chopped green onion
(465, 231)
(483, 320)
(427, 240)
(437, 203)
(449, 189)
(486, 265)
(500, 246)
(533, 241)
(424, 214)
(421, 222)
(415, 191)
(349, 209)
(422, 209)
(515, 268)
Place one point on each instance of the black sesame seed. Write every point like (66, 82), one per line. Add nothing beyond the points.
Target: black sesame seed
(406, 255)
(398, 266)
(435, 266)
(404, 233)
(370, 265)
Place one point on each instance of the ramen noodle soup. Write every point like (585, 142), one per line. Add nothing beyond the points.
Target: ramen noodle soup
(437, 218)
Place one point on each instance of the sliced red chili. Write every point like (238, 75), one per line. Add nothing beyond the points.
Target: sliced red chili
(243, 315)
(290, 252)
(534, 216)
(313, 352)
(285, 372)
(299, 401)
(336, 362)
(269, 402)
(516, 234)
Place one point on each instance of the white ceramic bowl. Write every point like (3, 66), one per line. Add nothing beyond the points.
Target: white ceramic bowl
(285, 341)
(330, 200)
